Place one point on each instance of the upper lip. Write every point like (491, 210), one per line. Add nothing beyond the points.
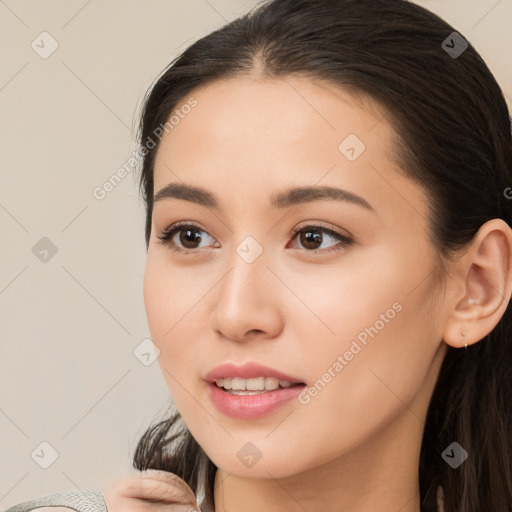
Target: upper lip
(247, 371)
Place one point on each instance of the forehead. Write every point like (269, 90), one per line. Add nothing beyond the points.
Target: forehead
(277, 109)
(255, 136)
(292, 116)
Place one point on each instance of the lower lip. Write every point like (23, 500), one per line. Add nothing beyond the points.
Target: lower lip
(251, 406)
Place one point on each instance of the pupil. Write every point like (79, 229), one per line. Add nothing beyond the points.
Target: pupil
(315, 240)
(189, 236)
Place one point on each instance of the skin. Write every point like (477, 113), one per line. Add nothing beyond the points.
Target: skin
(355, 446)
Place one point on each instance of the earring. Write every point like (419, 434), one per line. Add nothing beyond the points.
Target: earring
(463, 334)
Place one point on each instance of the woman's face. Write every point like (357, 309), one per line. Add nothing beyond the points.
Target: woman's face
(354, 318)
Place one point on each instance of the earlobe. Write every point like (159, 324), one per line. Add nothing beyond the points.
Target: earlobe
(482, 286)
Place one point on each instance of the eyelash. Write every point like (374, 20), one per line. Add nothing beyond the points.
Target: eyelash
(166, 237)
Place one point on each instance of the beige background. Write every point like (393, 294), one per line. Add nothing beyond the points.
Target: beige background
(70, 325)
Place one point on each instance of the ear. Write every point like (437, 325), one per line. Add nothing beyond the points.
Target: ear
(480, 285)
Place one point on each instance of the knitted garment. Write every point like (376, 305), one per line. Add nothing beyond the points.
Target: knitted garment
(81, 501)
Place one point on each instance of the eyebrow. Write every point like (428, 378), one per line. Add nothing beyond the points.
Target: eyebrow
(289, 197)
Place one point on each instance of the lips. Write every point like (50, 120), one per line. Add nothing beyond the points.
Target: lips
(254, 406)
(250, 370)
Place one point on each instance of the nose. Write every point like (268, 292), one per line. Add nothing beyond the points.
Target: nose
(246, 305)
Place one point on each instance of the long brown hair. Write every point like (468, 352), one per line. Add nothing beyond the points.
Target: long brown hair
(454, 138)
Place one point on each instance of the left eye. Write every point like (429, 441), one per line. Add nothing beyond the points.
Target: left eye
(311, 237)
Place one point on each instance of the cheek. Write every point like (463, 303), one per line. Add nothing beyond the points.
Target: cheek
(368, 347)
(170, 293)
(158, 296)
(357, 387)
(175, 299)
(337, 304)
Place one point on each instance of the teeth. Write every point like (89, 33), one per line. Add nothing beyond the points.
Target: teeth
(257, 384)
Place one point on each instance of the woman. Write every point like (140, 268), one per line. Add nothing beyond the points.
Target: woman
(328, 272)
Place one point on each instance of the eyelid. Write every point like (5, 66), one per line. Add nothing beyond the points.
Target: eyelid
(332, 229)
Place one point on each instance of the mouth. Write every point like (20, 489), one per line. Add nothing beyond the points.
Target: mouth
(254, 386)
(251, 404)
(252, 390)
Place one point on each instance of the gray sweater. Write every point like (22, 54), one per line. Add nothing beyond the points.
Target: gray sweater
(81, 501)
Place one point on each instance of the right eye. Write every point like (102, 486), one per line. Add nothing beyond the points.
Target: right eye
(188, 237)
